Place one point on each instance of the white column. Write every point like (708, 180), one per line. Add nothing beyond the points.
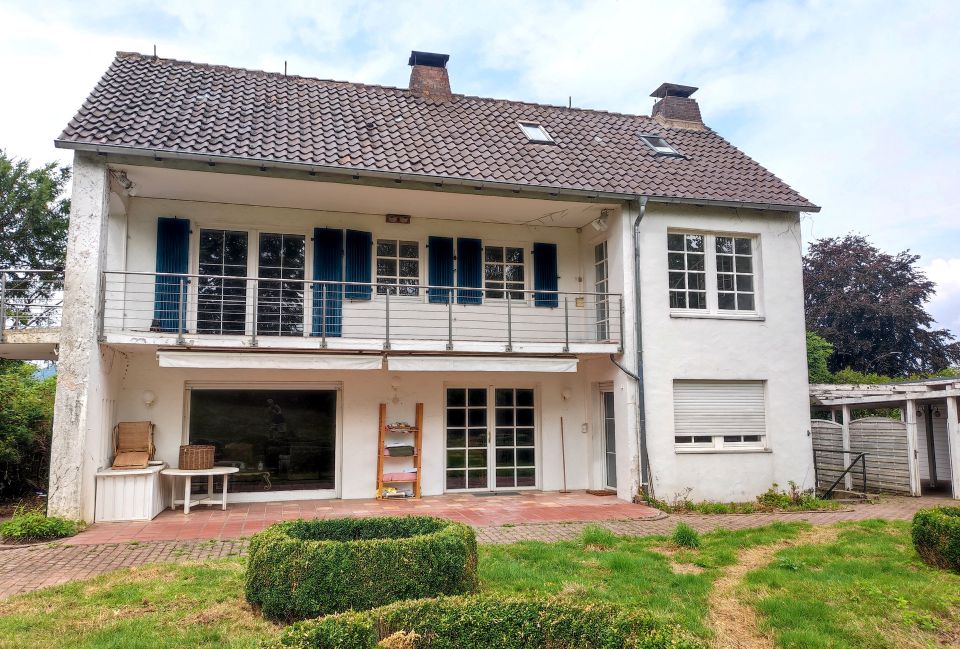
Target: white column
(953, 442)
(845, 440)
(910, 417)
(78, 424)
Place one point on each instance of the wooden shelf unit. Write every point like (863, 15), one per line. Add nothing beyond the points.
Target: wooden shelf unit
(397, 477)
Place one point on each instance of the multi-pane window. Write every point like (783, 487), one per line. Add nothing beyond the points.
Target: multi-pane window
(280, 303)
(601, 286)
(503, 272)
(712, 273)
(719, 414)
(221, 302)
(515, 439)
(467, 438)
(398, 267)
(735, 290)
(686, 260)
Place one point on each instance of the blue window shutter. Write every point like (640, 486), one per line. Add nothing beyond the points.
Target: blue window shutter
(327, 267)
(545, 274)
(173, 245)
(469, 270)
(439, 268)
(358, 251)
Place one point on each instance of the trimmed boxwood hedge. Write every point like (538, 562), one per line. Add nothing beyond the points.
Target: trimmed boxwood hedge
(936, 535)
(301, 569)
(487, 621)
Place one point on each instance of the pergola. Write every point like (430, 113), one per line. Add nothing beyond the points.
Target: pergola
(909, 397)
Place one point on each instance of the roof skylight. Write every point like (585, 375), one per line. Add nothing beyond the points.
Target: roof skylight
(659, 145)
(535, 132)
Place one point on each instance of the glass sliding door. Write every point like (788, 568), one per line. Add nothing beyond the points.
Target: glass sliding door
(609, 440)
(490, 429)
(279, 439)
(280, 303)
(222, 303)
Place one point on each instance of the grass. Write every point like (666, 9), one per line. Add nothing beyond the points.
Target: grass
(868, 589)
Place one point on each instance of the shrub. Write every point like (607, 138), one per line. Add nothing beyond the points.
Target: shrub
(936, 535)
(685, 536)
(26, 410)
(488, 621)
(302, 569)
(34, 525)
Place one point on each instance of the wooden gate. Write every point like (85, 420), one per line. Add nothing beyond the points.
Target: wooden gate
(883, 440)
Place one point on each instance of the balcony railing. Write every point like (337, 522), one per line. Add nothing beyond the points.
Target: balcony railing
(263, 310)
(29, 300)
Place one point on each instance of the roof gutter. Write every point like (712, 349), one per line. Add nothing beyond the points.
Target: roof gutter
(358, 172)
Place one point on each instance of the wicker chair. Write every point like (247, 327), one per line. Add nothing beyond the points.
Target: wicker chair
(133, 444)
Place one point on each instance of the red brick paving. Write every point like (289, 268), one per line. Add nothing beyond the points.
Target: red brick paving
(244, 519)
(27, 569)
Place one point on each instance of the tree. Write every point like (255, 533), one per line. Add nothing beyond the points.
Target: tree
(26, 410)
(818, 353)
(870, 306)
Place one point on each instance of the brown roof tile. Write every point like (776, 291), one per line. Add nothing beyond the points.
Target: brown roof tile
(157, 104)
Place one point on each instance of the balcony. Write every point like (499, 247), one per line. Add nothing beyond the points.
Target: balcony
(31, 305)
(214, 311)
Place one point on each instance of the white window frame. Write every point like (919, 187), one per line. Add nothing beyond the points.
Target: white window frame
(396, 278)
(524, 265)
(535, 132)
(713, 309)
(661, 149)
(602, 288)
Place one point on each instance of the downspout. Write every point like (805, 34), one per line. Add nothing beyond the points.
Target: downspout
(637, 376)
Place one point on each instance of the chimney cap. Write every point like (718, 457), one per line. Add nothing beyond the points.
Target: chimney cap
(429, 59)
(673, 90)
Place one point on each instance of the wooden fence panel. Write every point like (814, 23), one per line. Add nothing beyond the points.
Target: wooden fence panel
(884, 441)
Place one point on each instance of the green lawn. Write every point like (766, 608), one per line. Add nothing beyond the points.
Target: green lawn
(867, 589)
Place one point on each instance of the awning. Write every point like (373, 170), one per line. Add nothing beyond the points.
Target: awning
(480, 364)
(267, 361)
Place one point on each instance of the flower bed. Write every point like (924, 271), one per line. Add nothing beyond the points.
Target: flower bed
(936, 535)
(301, 569)
(486, 621)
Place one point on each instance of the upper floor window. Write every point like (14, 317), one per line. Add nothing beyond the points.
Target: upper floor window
(601, 287)
(535, 132)
(398, 267)
(503, 271)
(711, 273)
(221, 302)
(658, 144)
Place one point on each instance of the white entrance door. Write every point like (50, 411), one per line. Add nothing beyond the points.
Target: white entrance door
(490, 439)
(609, 440)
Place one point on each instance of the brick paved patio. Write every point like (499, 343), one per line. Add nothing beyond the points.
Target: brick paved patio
(26, 569)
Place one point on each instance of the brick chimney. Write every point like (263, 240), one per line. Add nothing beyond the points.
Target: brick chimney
(428, 75)
(676, 108)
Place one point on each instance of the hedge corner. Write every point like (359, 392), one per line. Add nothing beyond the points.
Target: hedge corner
(936, 536)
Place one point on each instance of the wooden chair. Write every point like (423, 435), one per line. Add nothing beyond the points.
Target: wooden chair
(133, 444)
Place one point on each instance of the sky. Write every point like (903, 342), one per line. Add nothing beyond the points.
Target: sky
(854, 104)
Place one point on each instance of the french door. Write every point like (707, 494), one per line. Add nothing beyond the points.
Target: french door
(609, 440)
(490, 439)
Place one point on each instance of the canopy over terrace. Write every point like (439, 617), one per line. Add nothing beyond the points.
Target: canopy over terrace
(912, 398)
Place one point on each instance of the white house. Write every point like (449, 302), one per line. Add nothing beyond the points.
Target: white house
(258, 261)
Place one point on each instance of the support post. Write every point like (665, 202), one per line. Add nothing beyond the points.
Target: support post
(253, 316)
(566, 324)
(386, 342)
(509, 323)
(449, 322)
(323, 316)
(181, 283)
(913, 462)
(953, 442)
(845, 437)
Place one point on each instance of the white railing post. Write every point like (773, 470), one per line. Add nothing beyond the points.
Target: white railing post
(449, 320)
(566, 323)
(386, 342)
(253, 317)
(509, 323)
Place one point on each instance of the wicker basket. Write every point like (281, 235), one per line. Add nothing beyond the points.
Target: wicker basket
(196, 456)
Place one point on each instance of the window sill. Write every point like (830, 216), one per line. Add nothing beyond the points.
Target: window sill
(721, 451)
(718, 316)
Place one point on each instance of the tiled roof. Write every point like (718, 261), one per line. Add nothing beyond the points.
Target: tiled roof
(157, 104)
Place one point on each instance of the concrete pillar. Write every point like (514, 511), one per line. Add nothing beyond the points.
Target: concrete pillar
(953, 442)
(77, 424)
(910, 418)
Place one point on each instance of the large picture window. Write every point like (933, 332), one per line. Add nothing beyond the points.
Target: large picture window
(279, 439)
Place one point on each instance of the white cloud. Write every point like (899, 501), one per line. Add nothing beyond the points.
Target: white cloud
(854, 103)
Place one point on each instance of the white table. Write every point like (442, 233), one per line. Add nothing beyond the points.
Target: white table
(188, 476)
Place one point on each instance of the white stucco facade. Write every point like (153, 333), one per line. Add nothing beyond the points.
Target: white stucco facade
(108, 364)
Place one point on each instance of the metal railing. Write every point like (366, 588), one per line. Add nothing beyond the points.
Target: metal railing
(860, 458)
(29, 299)
(380, 314)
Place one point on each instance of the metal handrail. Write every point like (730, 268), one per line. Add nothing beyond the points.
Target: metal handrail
(860, 457)
(29, 298)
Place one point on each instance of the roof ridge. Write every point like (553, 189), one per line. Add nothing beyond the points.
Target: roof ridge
(380, 86)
